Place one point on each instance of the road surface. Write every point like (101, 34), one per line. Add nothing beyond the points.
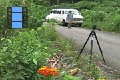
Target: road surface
(109, 42)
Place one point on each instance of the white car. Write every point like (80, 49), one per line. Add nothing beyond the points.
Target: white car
(60, 15)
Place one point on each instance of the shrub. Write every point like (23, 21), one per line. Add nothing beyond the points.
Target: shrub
(98, 16)
(115, 26)
(88, 14)
(85, 5)
(23, 54)
(36, 15)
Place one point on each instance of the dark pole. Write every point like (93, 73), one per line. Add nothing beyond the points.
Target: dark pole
(91, 50)
(83, 46)
(99, 47)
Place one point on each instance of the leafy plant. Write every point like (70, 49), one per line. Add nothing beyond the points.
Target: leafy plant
(22, 54)
(36, 18)
(69, 77)
(89, 67)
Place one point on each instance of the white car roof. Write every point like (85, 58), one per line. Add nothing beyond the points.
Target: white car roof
(66, 9)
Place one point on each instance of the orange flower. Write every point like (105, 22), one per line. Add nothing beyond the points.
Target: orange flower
(48, 71)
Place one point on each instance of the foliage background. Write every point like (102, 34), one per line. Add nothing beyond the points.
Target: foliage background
(103, 13)
(23, 51)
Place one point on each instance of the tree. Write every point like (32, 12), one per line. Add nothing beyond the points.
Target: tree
(72, 1)
(58, 1)
(23, 2)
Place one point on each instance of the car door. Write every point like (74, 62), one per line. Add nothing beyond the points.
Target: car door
(61, 15)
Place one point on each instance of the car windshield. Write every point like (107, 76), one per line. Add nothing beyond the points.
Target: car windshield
(66, 12)
(73, 12)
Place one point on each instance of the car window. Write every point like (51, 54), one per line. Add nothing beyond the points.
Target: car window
(59, 12)
(75, 13)
(66, 12)
(62, 12)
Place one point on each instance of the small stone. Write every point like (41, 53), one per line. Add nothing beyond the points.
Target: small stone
(74, 71)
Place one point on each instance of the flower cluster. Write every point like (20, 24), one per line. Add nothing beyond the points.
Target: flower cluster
(48, 71)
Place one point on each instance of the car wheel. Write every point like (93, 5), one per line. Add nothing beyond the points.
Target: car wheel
(64, 23)
(80, 24)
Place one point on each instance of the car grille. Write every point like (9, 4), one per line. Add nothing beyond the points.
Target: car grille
(77, 19)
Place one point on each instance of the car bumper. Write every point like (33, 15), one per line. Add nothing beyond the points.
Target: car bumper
(75, 21)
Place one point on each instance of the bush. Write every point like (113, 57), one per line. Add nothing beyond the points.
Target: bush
(85, 5)
(115, 22)
(23, 54)
(3, 11)
(36, 15)
(88, 20)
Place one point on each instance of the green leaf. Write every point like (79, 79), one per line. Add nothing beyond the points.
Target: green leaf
(45, 47)
(9, 41)
(2, 39)
(5, 49)
(25, 61)
(69, 77)
(20, 67)
(35, 61)
(2, 61)
(19, 77)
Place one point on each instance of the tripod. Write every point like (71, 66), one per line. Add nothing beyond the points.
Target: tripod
(91, 50)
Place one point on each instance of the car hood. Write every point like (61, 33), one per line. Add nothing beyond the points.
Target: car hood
(77, 16)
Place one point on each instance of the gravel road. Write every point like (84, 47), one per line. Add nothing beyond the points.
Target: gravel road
(109, 42)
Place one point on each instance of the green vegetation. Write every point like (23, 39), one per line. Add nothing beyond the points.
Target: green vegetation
(103, 13)
(24, 51)
(36, 14)
(22, 54)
